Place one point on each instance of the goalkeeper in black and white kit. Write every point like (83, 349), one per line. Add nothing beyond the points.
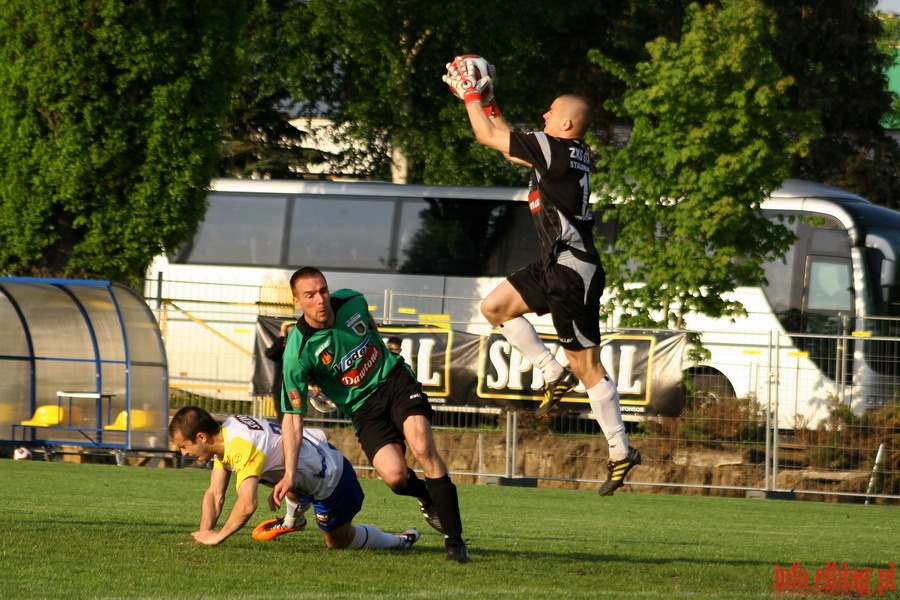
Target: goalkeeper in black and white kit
(568, 280)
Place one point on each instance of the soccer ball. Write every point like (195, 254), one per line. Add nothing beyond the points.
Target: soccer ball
(21, 454)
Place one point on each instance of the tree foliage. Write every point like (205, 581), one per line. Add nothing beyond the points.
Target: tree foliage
(711, 136)
(375, 68)
(888, 45)
(111, 113)
(260, 140)
(831, 49)
(109, 129)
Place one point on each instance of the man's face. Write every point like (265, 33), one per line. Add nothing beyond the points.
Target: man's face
(312, 298)
(553, 119)
(198, 448)
(558, 119)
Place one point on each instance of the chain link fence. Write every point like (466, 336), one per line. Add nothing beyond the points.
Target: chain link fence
(778, 416)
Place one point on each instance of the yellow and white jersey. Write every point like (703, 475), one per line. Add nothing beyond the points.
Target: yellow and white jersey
(253, 448)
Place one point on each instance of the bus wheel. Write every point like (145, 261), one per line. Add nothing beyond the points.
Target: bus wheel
(706, 387)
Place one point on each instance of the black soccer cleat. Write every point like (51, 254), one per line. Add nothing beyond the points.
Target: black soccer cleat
(618, 469)
(456, 550)
(430, 515)
(554, 392)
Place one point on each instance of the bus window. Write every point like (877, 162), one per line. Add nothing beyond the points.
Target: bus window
(239, 230)
(342, 233)
(830, 287)
(475, 238)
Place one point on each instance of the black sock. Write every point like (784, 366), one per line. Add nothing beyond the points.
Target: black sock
(446, 505)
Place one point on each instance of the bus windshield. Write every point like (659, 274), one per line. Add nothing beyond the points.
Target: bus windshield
(879, 230)
(882, 252)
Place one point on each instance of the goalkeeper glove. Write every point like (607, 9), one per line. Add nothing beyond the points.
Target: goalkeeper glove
(462, 86)
(473, 65)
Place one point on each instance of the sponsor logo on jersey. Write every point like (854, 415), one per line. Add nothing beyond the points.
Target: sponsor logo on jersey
(367, 355)
(534, 201)
(357, 324)
(579, 154)
(249, 422)
(296, 402)
(349, 359)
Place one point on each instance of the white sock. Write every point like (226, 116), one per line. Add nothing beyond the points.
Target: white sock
(521, 333)
(369, 536)
(604, 400)
(290, 510)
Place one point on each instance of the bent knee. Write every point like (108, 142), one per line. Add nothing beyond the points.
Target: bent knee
(396, 480)
(492, 310)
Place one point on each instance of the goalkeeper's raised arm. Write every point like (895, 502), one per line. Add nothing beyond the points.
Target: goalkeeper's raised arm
(471, 78)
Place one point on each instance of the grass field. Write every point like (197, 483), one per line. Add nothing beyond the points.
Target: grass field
(100, 531)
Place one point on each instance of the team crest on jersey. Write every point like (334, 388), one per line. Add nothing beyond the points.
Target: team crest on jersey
(326, 357)
(357, 324)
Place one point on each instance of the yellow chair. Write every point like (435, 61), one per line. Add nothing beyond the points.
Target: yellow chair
(47, 415)
(140, 419)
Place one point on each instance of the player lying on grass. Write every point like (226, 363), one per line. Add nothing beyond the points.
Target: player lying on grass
(252, 449)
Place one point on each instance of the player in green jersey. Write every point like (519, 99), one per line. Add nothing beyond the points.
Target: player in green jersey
(337, 349)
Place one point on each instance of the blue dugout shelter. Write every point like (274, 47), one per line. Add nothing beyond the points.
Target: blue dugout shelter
(82, 363)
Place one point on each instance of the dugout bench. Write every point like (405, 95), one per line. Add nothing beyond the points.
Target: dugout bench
(90, 415)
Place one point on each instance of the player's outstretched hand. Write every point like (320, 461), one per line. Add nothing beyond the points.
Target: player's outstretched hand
(206, 536)
(457, 81)
(470, 77)
(482, 72)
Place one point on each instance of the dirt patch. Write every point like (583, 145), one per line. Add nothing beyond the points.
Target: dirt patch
(579, 462)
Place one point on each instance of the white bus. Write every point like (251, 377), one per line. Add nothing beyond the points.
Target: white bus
(819, 332)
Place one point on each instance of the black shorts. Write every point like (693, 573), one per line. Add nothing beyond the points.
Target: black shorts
(569, 289)
(379, 421)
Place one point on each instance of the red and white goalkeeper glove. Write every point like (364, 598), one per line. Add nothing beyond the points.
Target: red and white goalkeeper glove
(461, 83)
(470, 77)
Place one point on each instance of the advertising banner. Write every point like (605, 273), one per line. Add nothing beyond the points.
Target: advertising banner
(462, 369)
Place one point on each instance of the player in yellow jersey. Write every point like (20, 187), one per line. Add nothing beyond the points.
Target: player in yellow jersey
(252, 450)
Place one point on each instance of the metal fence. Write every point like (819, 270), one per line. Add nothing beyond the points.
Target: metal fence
(718, 449)
(723, 442)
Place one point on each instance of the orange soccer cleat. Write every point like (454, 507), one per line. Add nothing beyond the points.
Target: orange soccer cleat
(271, 529)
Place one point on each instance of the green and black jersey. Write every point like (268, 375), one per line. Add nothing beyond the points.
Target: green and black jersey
(348, 361)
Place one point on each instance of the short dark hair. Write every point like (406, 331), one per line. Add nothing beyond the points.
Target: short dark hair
(191, 420)
(394, 340)
(303, 273)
